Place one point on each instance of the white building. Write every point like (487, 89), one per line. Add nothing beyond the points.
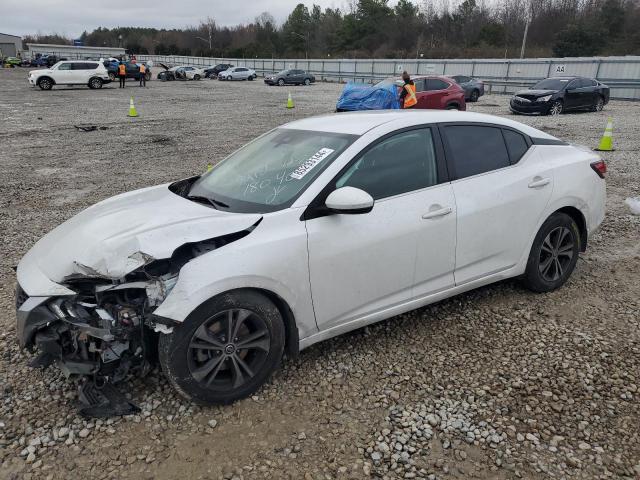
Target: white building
(10, 45)
(71, 52)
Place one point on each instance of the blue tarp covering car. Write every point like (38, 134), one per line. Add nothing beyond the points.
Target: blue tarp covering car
(357, 96)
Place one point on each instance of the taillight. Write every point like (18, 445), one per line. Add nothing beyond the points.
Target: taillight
(599, 167)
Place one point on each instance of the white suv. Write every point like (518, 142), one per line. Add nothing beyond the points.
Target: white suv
(82, 72)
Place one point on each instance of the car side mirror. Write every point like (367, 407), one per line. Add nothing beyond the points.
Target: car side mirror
(349, 200)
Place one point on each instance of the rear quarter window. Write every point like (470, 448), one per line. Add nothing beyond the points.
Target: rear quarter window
(516, 145)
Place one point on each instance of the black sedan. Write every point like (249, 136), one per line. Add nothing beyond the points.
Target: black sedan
(290, 77)
(553, 96)
(212, 72)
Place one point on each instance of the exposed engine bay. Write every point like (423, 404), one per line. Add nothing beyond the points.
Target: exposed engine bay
(107, 330)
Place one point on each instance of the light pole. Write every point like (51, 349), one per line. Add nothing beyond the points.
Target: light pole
(526, 30)
(306, 43)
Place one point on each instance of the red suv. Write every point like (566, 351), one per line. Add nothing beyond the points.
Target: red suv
(438, 92)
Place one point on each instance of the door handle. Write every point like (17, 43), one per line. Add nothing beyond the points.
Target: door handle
(441, 212)
(539, 182)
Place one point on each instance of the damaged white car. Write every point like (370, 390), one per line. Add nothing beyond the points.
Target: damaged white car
(316, 228)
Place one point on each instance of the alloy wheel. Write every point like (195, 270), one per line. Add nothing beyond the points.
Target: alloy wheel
(228, 349)
(556, 253)
(599, 104)
(474, 96)
(556, 108)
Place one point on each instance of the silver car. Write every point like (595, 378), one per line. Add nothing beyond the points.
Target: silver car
(473, 88)
(238, 73)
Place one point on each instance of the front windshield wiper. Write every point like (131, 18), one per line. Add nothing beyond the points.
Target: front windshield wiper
(211, 201)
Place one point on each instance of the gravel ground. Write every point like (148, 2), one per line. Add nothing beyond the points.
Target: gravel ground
(497, 383)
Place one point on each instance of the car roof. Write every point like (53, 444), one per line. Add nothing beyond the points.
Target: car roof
(358, 123)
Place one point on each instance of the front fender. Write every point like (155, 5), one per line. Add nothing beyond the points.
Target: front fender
(273, 257)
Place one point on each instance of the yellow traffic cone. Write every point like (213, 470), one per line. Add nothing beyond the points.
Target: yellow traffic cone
(209, 166)
(606, 143)
(290, 101)
(132, 109)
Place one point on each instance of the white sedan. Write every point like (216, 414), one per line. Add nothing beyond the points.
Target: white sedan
(318, 227)
(238, 73)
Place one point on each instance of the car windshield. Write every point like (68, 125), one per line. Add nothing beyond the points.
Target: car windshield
(269, 173)
(56, 65)
(551, 84)
(283, 72)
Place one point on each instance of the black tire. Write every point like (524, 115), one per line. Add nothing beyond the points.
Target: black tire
(307, 81)
(452, 106)
(196, 77)
(281, 82)
(112, 76)
(147, 76)
(475, 95)
(220, 364)
(95, 83)
(599, 105)
(546, 270)
(229, 77)
(556, 108)
(250, 78)
(45, 83)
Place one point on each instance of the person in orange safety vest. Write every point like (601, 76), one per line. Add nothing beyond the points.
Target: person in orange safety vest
(408, 93)
(122, 74)
(143, 75)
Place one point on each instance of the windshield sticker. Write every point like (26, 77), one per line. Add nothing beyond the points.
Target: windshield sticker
(310, 164)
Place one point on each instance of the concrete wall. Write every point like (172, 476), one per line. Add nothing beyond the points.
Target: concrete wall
(622, 74)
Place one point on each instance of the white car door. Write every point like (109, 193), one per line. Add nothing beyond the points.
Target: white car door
(363, 264)
(63, 74)
(502, 188)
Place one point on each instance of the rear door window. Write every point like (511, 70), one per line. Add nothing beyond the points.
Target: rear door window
(475, 149)
(436, 84)
(516, 145)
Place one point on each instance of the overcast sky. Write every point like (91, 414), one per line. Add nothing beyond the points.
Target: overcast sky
(72, 17)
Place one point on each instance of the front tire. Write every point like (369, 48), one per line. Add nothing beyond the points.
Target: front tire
(599, 105)
(226, 349)
(554, 254)
(45, 84)
(475, 95)
(281, 82)
(452, 106)
(556, 108)
(196, 77)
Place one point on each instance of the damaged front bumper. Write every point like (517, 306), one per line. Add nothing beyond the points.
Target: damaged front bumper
(105, 329)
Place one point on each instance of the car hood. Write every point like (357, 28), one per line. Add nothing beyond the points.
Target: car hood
(535, 93)
(120, 234)
(40, 70)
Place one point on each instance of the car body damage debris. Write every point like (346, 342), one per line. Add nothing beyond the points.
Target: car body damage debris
(93, 318)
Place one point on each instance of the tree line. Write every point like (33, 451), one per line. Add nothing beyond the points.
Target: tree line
(373, 28)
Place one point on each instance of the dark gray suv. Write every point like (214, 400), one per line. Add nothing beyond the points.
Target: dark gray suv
(290, 77)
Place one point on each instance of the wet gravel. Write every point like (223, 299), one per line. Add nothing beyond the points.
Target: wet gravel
(496, 383)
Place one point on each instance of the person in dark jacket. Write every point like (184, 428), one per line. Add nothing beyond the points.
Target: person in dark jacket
(408, 93)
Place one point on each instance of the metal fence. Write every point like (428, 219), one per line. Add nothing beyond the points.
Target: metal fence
(622, 74)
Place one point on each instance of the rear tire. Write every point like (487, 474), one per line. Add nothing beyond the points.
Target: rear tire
(95, 83)
(226, 349)
(553, 255)
(452, 106)
(307, 82)
(112, 76)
